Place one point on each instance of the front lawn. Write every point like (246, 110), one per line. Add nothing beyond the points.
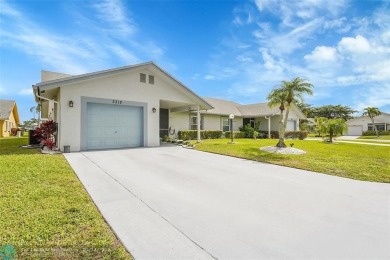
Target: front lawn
(45, 212)
(381, 137)
(361, 162)
(371, 141)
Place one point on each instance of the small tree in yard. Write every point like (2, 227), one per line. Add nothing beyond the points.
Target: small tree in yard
(331, 126)
(45, 134)
(372, 112)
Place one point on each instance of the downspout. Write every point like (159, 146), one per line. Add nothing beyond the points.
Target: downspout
(269, 126)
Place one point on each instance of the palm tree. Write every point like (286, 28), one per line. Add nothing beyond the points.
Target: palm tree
(295, 90)
(372, 112)
(278, 97)
(287, 93)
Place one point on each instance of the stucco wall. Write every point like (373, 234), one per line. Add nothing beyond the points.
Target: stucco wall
(178, 121)
(124, 86)
(364, 121)
(6, 125)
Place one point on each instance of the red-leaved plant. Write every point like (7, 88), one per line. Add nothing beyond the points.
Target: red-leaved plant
(45, 134)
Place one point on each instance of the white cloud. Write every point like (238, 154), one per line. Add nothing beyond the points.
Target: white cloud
(127, 56)
(359, 44)
(209, 77)
(322, 54)
(378, 96)
(113, 12)
(25, 92)
(89, 50)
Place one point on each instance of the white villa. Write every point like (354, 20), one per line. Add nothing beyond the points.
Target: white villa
(133, 106)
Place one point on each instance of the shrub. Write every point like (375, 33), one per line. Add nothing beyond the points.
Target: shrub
(45, 134)
(14, 131)
(248, 130)
(236, 134)
(274, 134)
(165, 138)
(372, 133)
(295, 134)
(204, 134)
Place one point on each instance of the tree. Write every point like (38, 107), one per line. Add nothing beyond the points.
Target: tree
(372, 112)
(277, 97)
(284, 96)
(331, 111)
(319, 126)
(333, 127)
(305, 108)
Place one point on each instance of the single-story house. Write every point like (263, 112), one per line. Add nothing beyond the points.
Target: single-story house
(9, 117)
(358, 125)
(134, 106)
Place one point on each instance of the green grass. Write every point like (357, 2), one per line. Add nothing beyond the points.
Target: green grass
(372, 141)
(381, 137)
(360, 162)
(45, 212)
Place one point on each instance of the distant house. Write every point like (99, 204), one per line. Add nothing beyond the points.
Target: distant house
(9, 117)
(134, 106)
(361, 124)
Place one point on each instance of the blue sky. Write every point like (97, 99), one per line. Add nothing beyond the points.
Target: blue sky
(236, 50)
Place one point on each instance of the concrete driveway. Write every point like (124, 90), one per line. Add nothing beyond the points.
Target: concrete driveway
(175, 203)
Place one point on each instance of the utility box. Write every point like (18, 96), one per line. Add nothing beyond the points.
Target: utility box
(32, 140)
(66, 148)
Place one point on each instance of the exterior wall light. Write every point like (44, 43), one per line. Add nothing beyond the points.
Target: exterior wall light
(71, 103)
(154, 110)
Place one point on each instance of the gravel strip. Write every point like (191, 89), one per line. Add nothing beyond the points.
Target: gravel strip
(287, 150)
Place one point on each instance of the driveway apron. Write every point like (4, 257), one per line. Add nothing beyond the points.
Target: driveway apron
(175, 203)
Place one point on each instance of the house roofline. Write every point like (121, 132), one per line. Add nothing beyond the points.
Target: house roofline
(54, 83)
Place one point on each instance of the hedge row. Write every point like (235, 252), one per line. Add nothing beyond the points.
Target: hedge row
(204, 134)
(236, 134)
(295, 134)
(217, 134)
(372, 132)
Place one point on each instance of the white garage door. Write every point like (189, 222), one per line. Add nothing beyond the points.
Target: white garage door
(355, 130)
(291, 125)
(113, 126)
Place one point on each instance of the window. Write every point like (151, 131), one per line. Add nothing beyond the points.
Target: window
(250, 121)
(151, 79)
(225, 124)
(142, 77)
(379, 127)
(193, 123)
(6, 125)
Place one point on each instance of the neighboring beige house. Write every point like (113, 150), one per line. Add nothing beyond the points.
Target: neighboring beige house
(218, 117)
(135, 105)
(9, 117)
(361, 124)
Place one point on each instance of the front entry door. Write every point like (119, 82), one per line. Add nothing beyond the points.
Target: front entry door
(164, 122)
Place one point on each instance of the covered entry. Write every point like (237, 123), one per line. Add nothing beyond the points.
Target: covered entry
(114, 126)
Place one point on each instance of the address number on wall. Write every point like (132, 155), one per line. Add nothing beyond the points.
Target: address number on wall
(118, 102)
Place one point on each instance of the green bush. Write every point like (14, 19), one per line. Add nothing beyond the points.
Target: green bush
(248, 130)
(204, 134)
(274, 134)
(165, 138)
(372, 133)
(236, 134)
(295, 134)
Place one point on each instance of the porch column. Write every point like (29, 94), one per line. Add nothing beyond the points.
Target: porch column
(198, 123)
(269, 126)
